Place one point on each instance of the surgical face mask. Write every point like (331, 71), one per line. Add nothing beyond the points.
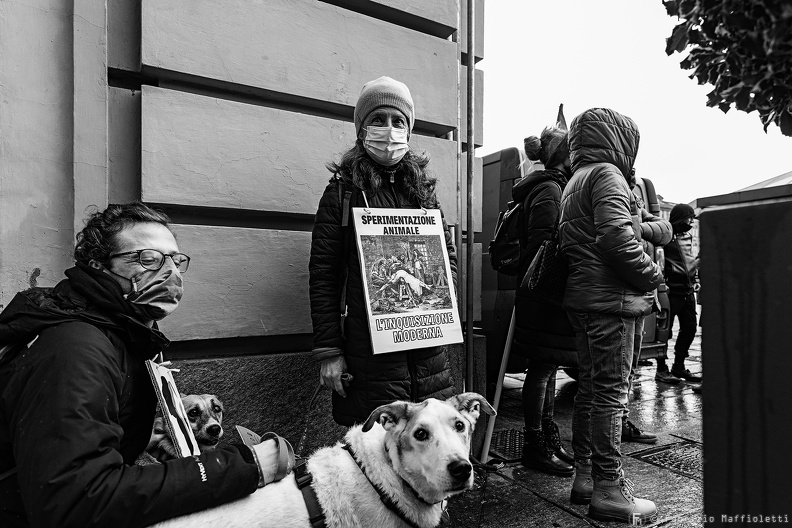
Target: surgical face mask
(387, 145)
(157, 293)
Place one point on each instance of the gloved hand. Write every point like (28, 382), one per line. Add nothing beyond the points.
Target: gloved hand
(275, 458)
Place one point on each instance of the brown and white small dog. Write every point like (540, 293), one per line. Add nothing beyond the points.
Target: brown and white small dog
(205, 412)
(416, 454)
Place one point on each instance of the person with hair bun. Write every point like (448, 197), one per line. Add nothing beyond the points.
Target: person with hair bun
(542, 331)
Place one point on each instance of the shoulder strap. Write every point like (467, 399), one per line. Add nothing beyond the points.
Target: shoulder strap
(345, 198)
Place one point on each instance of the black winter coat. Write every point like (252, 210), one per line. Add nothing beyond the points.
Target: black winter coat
(378, 379)
(609, 271)
(681, 268)
(542, 332)
(76, 409)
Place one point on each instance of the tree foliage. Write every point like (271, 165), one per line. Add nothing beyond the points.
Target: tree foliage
(743, 48)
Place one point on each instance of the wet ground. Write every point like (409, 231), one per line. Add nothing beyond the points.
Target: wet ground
(668, 472)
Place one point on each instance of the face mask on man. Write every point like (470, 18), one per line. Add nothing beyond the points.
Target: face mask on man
(387, 145)
(157, 293)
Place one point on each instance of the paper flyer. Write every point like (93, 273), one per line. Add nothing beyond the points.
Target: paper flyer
(407, 279)
(174, 416)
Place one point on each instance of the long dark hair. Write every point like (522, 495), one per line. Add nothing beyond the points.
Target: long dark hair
(411, 177)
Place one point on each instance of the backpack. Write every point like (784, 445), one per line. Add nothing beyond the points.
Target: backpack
(504, 248)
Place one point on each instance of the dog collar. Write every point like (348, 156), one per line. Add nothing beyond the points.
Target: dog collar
(384, 497)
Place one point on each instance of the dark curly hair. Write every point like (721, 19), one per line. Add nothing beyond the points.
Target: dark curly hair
(97, 240)
(414, 181)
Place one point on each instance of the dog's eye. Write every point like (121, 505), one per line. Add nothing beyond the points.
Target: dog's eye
(421, 435)
(460, 427)
(193, 412)
(217, 409)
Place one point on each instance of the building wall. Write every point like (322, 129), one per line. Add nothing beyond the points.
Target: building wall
(223, 114)
(36, 103)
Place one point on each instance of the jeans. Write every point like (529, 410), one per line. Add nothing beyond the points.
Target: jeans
(538, 394)
(684, 307)
(605, 344)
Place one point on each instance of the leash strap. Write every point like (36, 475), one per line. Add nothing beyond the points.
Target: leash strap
(304, 480)
(285, 453)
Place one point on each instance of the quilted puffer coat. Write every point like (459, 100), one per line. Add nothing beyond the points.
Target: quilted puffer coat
(542, 332)
(609, 271)
(412, 375)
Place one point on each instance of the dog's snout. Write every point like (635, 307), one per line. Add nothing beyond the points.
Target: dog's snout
(460, 469)
(214, 430)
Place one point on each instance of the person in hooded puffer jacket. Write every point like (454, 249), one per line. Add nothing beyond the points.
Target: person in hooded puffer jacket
(542, 332)
(608, 293)
(380, 171)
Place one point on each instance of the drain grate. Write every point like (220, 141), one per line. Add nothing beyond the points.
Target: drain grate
(507, 444)
(684, 458)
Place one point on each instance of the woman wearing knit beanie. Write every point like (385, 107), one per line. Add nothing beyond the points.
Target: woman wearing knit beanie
(379, 171)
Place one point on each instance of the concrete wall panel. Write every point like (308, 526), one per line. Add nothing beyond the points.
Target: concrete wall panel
(123, 35)
(204, 151)
(36, 186)
(478, 173)
(478, 110)
(292, 47)
(242, 282)
(462, 273)
(438, 17)
(123, 145)
(479, 21)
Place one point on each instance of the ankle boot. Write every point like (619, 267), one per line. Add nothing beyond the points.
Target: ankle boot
(613, 500)
(538, 455)
(583, 485)
(553, 439)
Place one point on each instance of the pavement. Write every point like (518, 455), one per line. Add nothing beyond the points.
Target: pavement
(669, 472)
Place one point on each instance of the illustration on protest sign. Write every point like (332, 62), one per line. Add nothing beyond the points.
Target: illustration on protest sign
(407, 279)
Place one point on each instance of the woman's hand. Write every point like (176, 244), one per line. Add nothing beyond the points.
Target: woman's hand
(330, 372)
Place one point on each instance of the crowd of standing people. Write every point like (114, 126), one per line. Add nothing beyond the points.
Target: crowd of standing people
(67, 453)
(585, 191)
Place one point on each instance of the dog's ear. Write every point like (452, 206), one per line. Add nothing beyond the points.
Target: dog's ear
(471, 404)
(387, 415)
(182, 395)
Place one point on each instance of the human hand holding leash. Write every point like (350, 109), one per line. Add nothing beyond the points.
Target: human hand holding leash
(333, 374)
(275, 458)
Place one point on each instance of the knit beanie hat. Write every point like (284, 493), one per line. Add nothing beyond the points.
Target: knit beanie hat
(384, 92)
(680, 212)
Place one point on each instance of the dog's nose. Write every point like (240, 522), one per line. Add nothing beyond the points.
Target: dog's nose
(214, 430)
(460, 469)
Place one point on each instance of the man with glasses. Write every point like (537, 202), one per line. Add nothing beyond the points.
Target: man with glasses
(76, 401)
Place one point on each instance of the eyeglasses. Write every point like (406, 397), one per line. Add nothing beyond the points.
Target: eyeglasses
(153, 260)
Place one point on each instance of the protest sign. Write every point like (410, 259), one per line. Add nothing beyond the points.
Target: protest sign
(174, 416)
(407, 279)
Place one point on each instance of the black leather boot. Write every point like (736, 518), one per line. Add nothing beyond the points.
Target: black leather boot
(553, 440)
(539, 456)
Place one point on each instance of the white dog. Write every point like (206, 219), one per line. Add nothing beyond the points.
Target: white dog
(415, 453)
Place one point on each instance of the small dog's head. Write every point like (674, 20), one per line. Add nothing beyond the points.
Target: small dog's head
(428, 442)
(205, 412)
